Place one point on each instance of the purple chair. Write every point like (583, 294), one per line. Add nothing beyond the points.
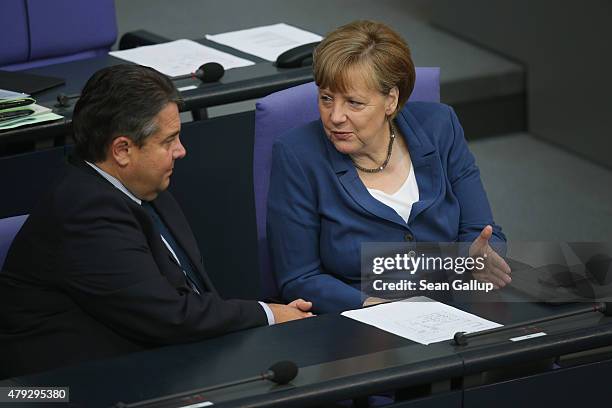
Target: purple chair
(9, 227)
(281, 111)
(43, 32)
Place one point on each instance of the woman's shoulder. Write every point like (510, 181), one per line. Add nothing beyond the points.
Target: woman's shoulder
(308, 137)
(431, 122)
(427, 112)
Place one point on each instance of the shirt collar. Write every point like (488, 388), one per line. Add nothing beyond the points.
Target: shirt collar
(115, 182)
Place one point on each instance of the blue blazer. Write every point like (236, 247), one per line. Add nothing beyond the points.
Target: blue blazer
(319, 210)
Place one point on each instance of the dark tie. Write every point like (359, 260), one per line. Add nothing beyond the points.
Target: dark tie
(188, 269)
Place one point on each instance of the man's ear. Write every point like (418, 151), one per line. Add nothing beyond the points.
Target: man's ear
(120, 150)
(392, 101)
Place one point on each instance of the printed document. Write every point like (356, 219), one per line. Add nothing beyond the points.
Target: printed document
(180, 57)
(266, 42)
(6, 94)
(420, 319)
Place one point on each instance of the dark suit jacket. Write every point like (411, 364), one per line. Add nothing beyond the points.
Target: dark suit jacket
(89, 277)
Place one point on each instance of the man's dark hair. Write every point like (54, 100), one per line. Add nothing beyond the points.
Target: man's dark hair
(119, 100)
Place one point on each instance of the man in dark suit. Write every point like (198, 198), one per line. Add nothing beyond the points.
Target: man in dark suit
(106, 264)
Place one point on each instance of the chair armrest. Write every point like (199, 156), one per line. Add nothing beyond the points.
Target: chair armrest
(137, 38)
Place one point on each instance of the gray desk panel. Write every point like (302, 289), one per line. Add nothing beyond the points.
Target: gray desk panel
(339, 358)
(468, 72)
(584, 386)
(236, 85)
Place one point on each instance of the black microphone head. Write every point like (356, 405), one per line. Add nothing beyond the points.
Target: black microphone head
(284, 371)
(210, 72)
(62, 100)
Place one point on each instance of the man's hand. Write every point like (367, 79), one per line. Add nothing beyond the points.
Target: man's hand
(496, 270)
(298, 309)
(301, 304)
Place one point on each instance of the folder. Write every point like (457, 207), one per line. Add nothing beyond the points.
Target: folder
(28, 83)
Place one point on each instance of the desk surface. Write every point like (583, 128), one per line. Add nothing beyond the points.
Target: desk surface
(236, 85)
(338, 358)
(468, 73)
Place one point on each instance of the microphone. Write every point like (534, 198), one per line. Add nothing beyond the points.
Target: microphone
(461, 338)
(281, 373)
(63, 100)
(209, 72)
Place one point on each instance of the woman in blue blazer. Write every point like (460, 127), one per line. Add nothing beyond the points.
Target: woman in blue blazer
(373, 169)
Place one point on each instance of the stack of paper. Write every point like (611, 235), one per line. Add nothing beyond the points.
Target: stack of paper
(179, 57)
(421, 319)
(267, 42)
(18, 109)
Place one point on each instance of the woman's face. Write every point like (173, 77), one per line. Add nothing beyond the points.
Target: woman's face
(355, 121)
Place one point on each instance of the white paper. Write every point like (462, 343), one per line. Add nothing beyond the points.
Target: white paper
(266, 42)
(6, 94)
(424, 321)
(179, 57)
(528, 336)
(187, 88)
(198, 405)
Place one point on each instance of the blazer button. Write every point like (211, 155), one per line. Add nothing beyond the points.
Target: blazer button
(409, 237)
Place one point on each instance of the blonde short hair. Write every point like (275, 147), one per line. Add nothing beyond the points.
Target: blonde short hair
(371, 48)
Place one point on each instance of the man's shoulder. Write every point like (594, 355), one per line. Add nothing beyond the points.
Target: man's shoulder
(79, 190)
(79, 181)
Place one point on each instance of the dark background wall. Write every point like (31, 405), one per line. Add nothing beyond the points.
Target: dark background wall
(565, 48)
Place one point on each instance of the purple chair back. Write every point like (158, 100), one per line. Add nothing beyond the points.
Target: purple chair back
(9, 227)
(14, 18)
(286, 109)
(47, 32)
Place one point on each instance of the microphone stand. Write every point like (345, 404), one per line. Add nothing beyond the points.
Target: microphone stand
(196, 393)
(461, 338)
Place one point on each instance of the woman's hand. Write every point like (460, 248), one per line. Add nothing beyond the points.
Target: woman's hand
(496, 270)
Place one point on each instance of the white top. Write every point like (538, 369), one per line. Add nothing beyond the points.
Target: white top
(401, 201)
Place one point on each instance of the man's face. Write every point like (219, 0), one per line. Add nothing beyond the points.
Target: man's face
(151, 164)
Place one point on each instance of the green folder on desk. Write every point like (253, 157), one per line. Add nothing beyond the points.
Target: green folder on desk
(22, 111)
(10, 103)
